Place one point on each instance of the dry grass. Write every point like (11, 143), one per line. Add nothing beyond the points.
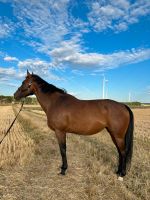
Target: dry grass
(92, 163)
(17, 147)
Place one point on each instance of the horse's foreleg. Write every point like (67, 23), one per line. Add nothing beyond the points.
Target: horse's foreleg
(61, 137)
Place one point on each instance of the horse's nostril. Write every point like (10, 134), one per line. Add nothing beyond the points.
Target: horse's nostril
(15, 95)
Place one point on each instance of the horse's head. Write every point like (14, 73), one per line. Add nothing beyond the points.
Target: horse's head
(26, 88)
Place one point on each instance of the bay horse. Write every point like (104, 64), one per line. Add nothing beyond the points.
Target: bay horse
(65, 113)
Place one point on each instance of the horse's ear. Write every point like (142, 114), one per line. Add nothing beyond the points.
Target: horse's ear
(32, 73)
(28, 74)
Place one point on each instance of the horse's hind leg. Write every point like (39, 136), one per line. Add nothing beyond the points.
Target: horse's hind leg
(120, 145)
(122, 157)
(61, 137)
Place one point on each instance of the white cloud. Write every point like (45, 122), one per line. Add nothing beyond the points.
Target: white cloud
(10, 73)
(8, 84)
(33, 64)
(69, 54)
(45, 20)
(47, 23)
(39, 67)
(116, 15)
(9, 58)
(7, 75)
(6, 28)
(7, 71)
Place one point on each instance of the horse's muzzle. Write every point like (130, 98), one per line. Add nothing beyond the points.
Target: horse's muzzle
(16, 96)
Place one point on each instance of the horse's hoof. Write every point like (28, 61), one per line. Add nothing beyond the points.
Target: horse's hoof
(120, 178)
(62, 173)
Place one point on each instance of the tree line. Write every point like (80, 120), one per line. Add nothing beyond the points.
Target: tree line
(10, 99)
(33, 100)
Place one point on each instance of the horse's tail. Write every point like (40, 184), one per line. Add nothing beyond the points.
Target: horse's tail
(129, 138)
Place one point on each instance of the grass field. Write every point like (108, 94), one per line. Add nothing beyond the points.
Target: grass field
(17, 146)
(30, 160)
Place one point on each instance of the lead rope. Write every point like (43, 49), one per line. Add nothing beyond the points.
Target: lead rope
(12, 123)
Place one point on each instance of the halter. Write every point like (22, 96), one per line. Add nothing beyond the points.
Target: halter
(30, 83)
(28, 87)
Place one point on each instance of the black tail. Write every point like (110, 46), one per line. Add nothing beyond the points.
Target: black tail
(129, 138)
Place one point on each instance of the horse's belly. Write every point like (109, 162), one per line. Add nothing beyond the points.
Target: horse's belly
(86, 129)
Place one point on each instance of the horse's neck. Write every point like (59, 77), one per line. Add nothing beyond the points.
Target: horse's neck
(43, 99)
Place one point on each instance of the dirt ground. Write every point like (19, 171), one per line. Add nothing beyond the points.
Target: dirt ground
(92, 164)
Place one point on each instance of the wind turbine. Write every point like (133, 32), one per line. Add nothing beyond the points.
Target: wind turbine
(107, 89)
(104, 83)
(129, 99)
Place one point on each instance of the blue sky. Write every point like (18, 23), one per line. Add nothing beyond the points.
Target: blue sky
(73, 44)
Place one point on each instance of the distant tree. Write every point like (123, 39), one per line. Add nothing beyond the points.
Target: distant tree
(134, 104)
(6, 99)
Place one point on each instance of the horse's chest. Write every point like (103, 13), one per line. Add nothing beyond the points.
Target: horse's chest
(51, 123)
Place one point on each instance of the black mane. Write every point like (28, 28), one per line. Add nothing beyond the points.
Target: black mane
(46, 87)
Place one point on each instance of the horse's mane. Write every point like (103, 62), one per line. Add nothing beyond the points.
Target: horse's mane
(45, 86)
